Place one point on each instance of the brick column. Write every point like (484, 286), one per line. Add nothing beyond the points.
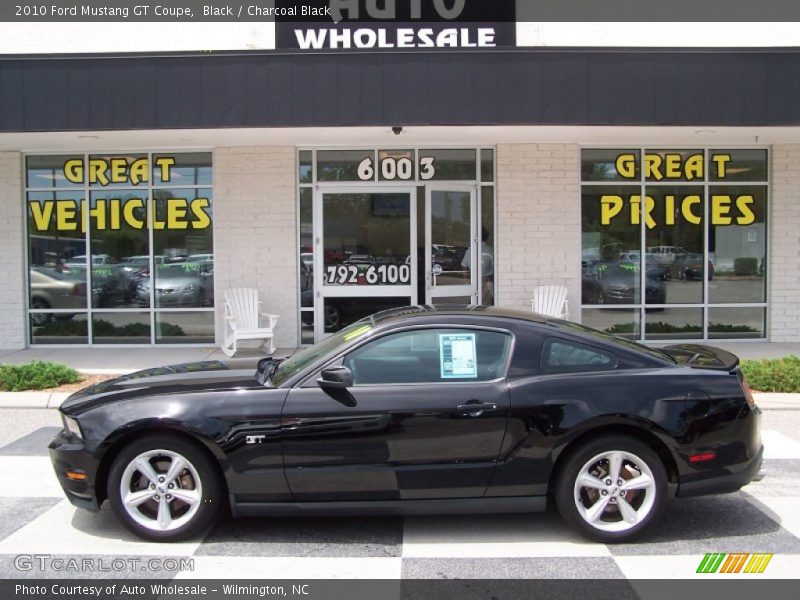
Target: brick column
(255, 231)
(538, 222)
(12, 253)
(783, 262)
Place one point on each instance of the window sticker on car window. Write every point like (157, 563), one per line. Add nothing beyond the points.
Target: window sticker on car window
(457, 355)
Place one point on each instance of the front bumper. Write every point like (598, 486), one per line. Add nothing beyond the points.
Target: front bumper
(67, 453)
(723, 484)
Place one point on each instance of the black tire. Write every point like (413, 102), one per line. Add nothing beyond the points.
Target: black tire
(39, 319)
(211, 498)
(566, 495)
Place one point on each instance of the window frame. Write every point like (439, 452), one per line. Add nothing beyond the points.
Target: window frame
(86, 189)
(639, 309)
(310, 381)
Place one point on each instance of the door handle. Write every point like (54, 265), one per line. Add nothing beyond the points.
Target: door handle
(474, 408)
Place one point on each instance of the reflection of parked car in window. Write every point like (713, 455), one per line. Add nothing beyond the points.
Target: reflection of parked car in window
(51, 289)
(112, 285)
(360, 259)
(654, 265)
(80, 260)
(307, 258)
(619, 283)
(665, 255)
(200, 258)
(340, 312)
(690, 267)
(179, 284)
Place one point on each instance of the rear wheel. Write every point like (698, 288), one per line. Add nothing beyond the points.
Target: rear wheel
(612, 488)
(164, 489)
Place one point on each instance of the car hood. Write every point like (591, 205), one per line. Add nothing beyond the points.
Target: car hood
(172, 379)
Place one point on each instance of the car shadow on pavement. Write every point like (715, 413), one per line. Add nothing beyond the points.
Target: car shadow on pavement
(724, 523)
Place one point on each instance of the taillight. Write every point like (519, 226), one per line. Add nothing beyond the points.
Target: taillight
(748, 393)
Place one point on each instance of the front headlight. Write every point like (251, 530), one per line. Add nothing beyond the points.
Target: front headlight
(71, 425)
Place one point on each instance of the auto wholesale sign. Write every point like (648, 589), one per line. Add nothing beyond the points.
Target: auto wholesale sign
(331, 25)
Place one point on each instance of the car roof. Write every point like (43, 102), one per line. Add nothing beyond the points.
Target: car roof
(409, 314)
(453, 310)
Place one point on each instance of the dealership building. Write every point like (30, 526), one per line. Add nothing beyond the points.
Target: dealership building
(659, 185)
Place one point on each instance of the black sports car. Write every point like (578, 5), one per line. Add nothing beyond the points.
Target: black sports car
(418, 410)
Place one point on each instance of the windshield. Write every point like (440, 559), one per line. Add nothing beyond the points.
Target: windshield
(301, 360)
(605, 337)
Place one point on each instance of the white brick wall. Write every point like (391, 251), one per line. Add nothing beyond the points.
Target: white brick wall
(784, 228)
(12, 253)
(255, 229)
(538, 222)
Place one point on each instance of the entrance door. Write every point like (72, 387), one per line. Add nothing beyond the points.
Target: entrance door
(452, 251)
(365, 244)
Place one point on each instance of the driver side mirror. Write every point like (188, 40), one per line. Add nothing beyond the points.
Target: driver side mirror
(336, 378)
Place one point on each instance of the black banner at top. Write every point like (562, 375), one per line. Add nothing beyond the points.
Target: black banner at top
(401, 11)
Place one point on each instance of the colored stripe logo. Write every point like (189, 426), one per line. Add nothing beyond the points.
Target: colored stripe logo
(742, 562)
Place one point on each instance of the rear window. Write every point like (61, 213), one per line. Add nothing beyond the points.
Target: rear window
(612, 339)
(566, 355)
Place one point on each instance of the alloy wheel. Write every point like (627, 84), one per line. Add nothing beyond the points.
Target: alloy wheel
(161, 490)
(615, 491)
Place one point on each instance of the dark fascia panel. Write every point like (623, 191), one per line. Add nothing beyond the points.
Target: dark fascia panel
(517, 87)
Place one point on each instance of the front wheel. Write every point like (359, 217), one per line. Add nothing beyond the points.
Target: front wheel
(164, 489)
(612, 489)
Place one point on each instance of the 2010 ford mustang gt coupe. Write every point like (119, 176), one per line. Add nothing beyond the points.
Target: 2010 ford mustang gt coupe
(418, 410)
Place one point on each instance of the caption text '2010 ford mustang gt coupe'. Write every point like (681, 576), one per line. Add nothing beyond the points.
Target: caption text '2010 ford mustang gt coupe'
(418, 410)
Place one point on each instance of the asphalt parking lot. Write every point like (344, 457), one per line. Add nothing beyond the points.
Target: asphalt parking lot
(36, 520)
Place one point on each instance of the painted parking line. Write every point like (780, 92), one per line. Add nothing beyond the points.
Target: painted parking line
(495, 536)
(778, 445)
(32, 476)
(65, 529)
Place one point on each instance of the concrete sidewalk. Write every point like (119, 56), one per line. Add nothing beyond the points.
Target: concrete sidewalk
(119, 361)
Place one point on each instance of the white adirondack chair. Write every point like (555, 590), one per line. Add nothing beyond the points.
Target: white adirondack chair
(551, 301)
(243, 322)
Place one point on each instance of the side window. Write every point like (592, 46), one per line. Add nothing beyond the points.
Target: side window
(564, 355)
(431, 356)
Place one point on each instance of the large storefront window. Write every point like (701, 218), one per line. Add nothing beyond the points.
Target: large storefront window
(389, 227)
(674, 242)
(120, 249)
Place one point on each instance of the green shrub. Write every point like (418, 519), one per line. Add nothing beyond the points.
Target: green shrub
(745, 265)
(103, 328)
(773, 374)
(661, 327)
(36, 375)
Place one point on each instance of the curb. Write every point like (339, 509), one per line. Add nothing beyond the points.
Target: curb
(771, 401)
(32, 399)
(766, 401)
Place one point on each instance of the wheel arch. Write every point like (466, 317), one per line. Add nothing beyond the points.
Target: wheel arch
(626, 429)
(117, 442)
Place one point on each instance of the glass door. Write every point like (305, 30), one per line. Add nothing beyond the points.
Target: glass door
(366, 246)
(452, 245)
